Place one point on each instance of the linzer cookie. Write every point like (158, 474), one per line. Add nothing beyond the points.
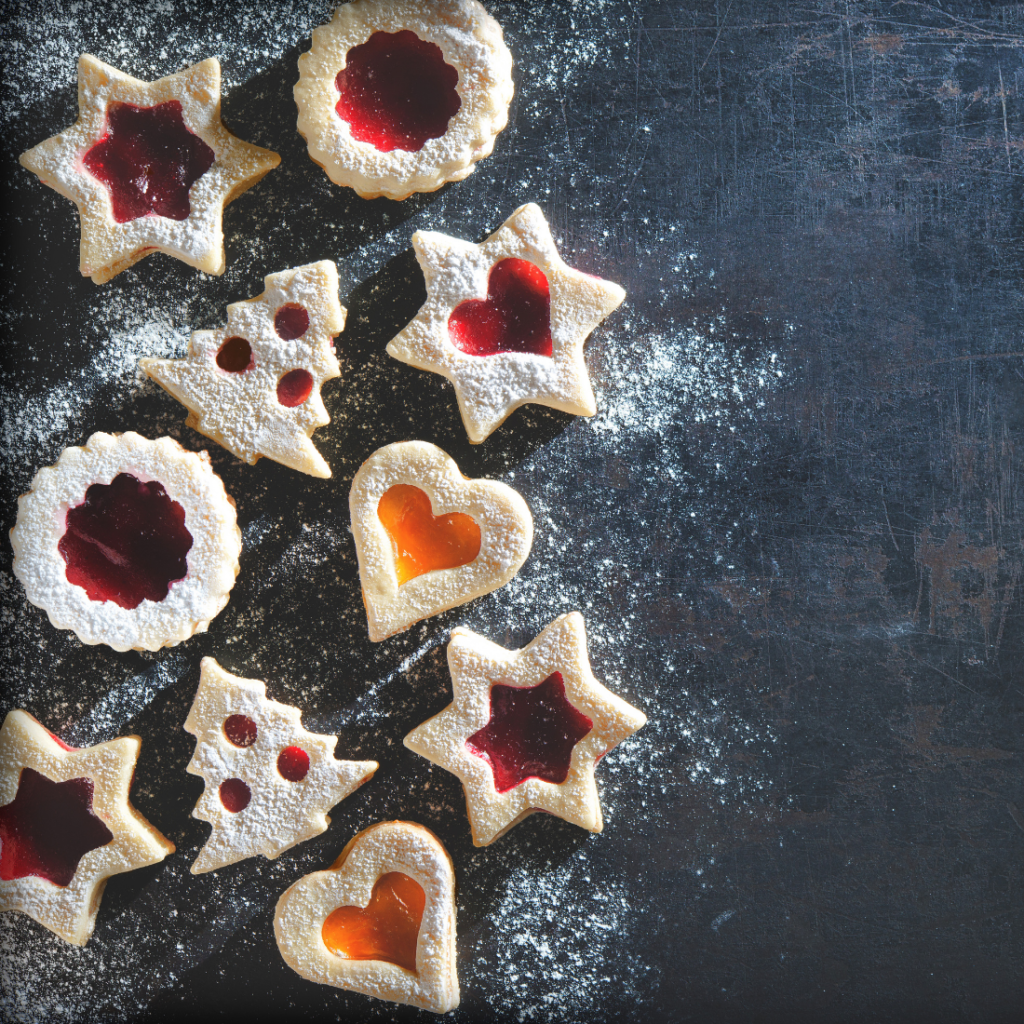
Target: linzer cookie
(400, 96)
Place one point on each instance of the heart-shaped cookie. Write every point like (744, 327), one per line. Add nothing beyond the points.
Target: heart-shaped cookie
(380, 920)
(428, 539)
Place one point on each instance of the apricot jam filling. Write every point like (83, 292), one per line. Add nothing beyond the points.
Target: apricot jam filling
(386, 930)
(396, 92)
(421, 541)
(531, 733)
(148, 160)
(126, 542)
(515, 316)
(48, 828)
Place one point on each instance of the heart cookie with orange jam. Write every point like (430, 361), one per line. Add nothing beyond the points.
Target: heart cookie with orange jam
(505, 322)
(66, 825)
(380, 920)
(150, 167)
(526, 728)
(427, 538)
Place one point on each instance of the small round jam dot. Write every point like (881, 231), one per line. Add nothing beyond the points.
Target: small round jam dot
(235, 356)
(294, 388)
(235, 795)
(293, 764)
(291, 321)
(240, 730)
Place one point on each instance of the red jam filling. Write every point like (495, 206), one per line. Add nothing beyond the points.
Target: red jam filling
(294, 388)
(291, 321)
(386, 930)
(397, 91)
(48, 828)
(421, 541)
(531, 733)
(240, 730)
(293, 764)
(235, 795)
(148, 160)
(235, 356)
(126, 542)
(515, 316)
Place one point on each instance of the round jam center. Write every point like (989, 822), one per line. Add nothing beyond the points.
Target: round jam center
(397, 91)
(386, 930)
(48, 828)
(126, 542)
(531, 733)
(515, 316)
(421, 541)
(148, 160)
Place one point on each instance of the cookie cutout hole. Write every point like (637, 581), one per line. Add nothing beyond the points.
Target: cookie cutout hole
(235, 356)
(240, 730)
(531, 733)
(515, 316)
(291, 321)
(235, 795)
(387, 929)
(48, 828)
(422, 542)
(396, 92)
(126, 542)
(148, 160)
(294, 388)
(293, 764)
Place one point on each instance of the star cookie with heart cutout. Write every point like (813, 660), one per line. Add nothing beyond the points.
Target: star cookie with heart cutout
(526, 728)
(380, 920)
(505, 322)
(150, 167)
(429, 539)
(253, 386)
(66, 825)
(269, 782)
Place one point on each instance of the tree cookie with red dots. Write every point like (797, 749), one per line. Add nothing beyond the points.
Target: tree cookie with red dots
(399, 96)
(505, 322)
(253, 386)
(380, 920)
(429, 539)
(66, 825)
(129, 542)
(150, 167)
(269, 782)
(526, 728)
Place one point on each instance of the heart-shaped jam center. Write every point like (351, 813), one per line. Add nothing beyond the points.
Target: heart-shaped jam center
(126, 542)
(421, 541)
(531, 733)
(397, 91)
(48, 828)
(386, 930)
(148, 160)
(515, 316)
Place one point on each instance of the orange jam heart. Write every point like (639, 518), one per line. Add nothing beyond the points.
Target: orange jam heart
(386, 930)
(423, 542)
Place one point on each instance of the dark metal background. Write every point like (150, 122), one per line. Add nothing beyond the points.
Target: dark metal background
(796, 529)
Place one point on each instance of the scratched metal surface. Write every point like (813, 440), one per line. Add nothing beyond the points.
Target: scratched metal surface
(796, 527)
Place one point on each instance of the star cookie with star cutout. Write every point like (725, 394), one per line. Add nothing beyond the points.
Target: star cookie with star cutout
(505, 321)
(253, 386)
(150, 167)
(66, 825)
(526, 728)
(269, 782)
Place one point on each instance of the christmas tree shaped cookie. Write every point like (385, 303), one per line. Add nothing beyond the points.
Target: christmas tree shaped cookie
(253, 386)
(269, 782)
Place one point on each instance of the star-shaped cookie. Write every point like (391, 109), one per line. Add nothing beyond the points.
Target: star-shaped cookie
(66, 825)
(526, 728)
(505, 321)
(269, 782)
(150, 167)
(253, 386)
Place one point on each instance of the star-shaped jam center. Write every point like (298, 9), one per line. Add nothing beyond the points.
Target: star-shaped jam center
(48, 828)
(148, 161)
(531, 733)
